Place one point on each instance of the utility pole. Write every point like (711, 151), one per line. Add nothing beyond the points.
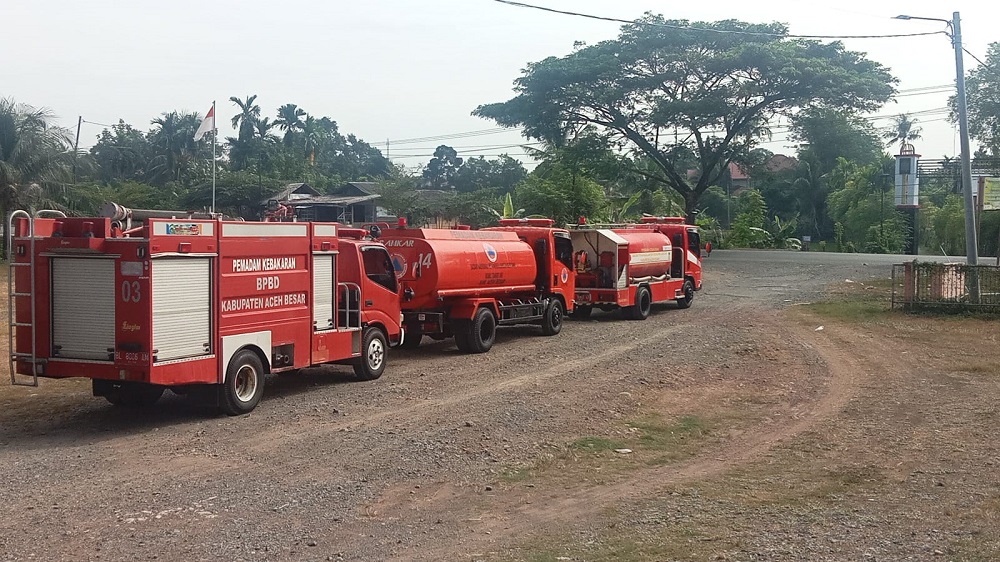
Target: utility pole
(971, 246)
(76, 146)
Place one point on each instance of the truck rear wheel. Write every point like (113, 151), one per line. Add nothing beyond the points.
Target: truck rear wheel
(412, 340)
(482, 332)
(461, 328)
(244, 384)
(642, 307)
(552, 320)
(371, 364)
(128, 394)
(688, 298)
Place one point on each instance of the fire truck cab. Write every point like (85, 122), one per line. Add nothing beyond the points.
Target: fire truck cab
(194, 304)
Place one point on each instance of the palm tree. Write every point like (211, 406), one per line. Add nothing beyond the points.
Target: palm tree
(290, 120)
(263, 128)
(173, 145)
(312, 135)
(35, 158)
(245, 120)
(902, 130)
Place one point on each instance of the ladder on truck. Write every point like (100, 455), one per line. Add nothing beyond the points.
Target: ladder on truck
(12, 294)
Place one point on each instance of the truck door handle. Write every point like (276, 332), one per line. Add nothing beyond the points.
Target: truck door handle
(368, 302)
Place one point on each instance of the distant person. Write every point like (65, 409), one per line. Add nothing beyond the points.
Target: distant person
(708, 248)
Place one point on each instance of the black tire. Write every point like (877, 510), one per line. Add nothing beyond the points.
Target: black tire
(371, 364)
(244, 384)
(483, 331)
(581, 311)
(412, 340)
(128, 394)
(642, 307)
(461, 329)
(688, 298)
(553, 318)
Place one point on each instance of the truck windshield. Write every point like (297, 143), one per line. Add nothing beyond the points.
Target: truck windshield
(378, 267)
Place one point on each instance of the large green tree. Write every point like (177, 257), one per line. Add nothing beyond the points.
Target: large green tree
(716, 85)
(121, 153)
(982, 87)
(442, 170)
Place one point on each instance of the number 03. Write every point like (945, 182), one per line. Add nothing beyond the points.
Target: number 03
(130, 291)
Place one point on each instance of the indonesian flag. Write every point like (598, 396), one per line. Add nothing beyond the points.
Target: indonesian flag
(207, 125)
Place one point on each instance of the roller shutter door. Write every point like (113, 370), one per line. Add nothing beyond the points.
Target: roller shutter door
(182, 307)
(83, 308)
(323, 291)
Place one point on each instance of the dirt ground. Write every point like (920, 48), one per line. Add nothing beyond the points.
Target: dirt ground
(734, 430)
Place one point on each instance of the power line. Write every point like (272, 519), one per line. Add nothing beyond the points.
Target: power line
(707, 29)
(973, 56)
(95, 123)
(462, 135)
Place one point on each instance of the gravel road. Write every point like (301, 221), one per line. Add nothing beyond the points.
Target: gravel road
(410, 466)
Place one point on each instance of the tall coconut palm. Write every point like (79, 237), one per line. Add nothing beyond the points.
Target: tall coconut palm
(312, 136)
(35, 156)
(902, 130)
(172, 142)
(245, 120)
(290, 120)
(263, 129)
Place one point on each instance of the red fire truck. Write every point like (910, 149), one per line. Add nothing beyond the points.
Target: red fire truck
(464, 283)
(632, 266)
(194, 303)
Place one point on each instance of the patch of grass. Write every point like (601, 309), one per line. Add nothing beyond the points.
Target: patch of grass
(671, 440)
(596, 444)
(857, 302)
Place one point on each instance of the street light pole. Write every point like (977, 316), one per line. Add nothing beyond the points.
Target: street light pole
(971, 246)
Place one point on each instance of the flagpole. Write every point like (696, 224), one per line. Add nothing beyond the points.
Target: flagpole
(215, 133)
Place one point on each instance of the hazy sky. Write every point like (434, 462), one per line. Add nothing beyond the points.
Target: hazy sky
(404, 69)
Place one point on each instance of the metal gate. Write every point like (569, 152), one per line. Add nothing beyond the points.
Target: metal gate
(182, 307)
(83, 308)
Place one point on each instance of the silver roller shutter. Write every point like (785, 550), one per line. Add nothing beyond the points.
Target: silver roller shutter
(182, 307)
(323, 290)
(83, 308)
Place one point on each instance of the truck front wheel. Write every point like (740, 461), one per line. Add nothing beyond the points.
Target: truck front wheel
(244, 384)
(688, 298)
(371, 364)
(553, 317)
(483, 331)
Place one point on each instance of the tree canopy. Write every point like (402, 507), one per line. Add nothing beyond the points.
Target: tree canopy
(707, 88)
(982, 91)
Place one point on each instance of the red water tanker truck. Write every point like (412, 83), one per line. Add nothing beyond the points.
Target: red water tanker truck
(464, 283)
(193, 303)
(630, 267)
